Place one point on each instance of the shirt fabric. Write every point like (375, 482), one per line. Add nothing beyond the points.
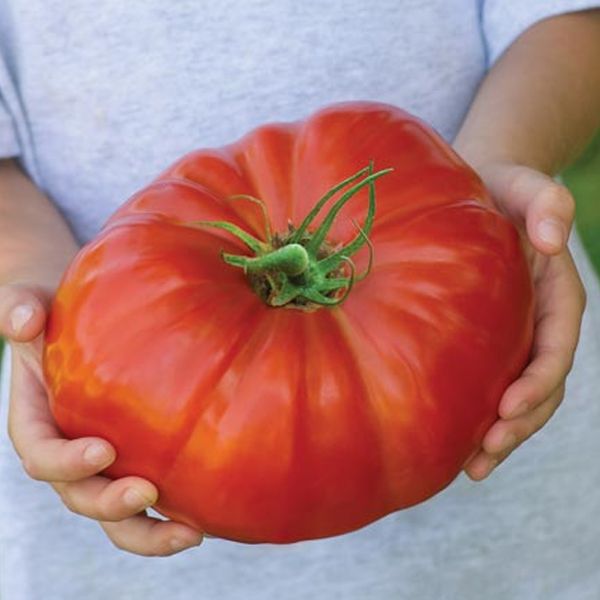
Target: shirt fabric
(96, 99)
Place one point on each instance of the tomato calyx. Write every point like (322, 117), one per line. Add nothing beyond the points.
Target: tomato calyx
(302, 269)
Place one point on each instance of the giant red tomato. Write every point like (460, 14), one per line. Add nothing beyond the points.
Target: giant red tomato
(308, 392)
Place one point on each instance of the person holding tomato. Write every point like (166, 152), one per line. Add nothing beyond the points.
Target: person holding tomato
(514, 87)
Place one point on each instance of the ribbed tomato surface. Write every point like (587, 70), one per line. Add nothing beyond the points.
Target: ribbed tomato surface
(264, 424)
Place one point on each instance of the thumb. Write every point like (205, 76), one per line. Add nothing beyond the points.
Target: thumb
(533, 199)
(23, 312)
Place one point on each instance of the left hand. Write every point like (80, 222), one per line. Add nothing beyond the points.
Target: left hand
(74, 467)
(544, 211)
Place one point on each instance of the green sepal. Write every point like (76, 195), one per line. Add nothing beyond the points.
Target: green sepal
(300, 269)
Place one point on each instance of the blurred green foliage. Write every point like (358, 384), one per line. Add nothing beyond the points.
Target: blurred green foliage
(583, 179)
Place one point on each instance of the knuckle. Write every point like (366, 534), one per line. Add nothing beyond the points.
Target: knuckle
(76, 498)
(33, 469)
(71, 506)
(117, 541)
(68, 499)
(36, 469)
(543, 373)
(519, 184)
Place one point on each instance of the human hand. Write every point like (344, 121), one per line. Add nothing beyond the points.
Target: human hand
(72, 467)
(543, 210)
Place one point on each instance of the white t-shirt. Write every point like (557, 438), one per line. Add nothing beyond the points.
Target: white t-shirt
(97, 98)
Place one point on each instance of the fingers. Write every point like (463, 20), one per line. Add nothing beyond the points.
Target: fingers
(561, 302)
(530, 198)
(103, 499)
(46, 455)
(151, 537)
(72, 466)
(549, 216)
(531, 400)
(506, 435)
(60, 460)
(23, 312)
(119, 505)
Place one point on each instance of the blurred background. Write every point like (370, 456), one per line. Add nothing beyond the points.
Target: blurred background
(583, 178)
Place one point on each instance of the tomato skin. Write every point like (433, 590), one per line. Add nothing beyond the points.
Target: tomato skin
(263, 424)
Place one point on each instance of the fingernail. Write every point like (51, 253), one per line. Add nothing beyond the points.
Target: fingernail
(551, 232)
(135, 499)
(97, 455)
(20, 316)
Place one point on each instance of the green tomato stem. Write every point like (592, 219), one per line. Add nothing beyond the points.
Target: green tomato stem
(301, 269)
(291, 260)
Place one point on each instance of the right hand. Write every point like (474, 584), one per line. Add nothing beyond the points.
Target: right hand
(73, 467)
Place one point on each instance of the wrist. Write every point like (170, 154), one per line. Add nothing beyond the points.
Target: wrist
(542, 122)
(481, 154)
(36, 243)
